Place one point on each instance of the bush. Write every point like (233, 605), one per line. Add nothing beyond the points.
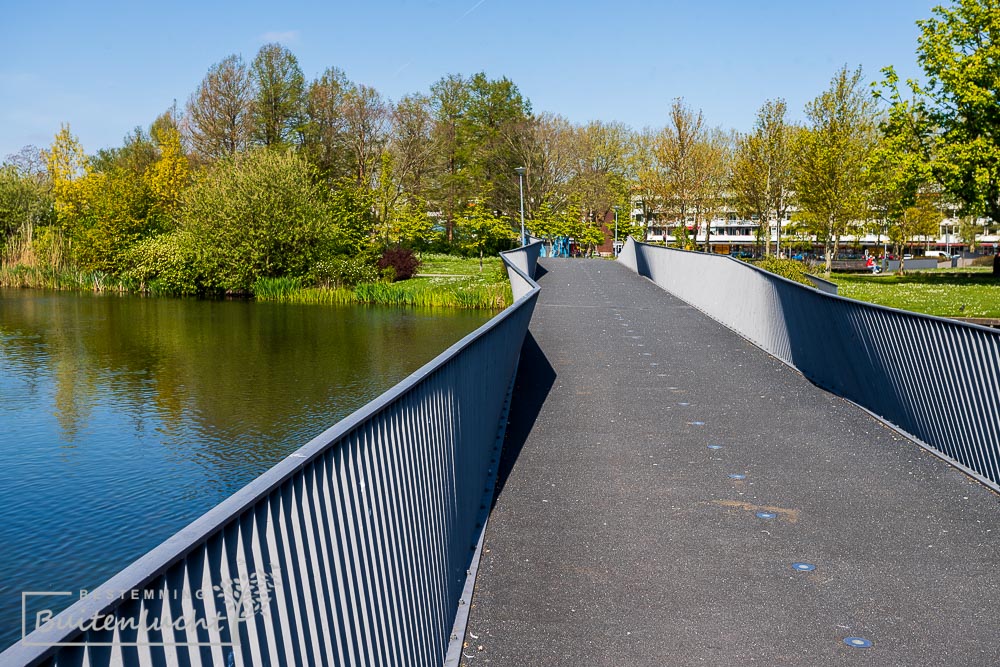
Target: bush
(985, 260)
(786, 268)
(403, 262)
(344, 271)
(163, 264)
(260, 214)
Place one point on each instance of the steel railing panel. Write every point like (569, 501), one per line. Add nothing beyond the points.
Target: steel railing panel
(933, 378)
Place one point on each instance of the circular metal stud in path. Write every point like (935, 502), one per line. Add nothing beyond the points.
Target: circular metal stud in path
(857, 642)
(803, 567)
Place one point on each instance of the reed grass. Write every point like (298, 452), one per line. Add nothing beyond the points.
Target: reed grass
(20, 275)
(415, 292)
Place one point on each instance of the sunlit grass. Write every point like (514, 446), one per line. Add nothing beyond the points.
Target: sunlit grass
(420, 292)
(947, 293)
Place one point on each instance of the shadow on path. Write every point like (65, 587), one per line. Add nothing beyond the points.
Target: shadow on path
(535, 377)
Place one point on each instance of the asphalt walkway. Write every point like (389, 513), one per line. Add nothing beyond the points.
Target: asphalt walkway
(662, 476)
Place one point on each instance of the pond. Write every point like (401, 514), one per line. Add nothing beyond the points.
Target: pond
(123, 418)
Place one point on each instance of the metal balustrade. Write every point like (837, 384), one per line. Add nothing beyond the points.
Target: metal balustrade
(354, 550)
(936, 379)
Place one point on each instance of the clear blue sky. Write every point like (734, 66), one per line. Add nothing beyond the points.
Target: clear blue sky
(106, 67)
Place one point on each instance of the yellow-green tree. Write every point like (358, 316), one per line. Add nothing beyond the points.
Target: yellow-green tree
(482, 229)
(169, 175)
(68, 166)
(832, 177)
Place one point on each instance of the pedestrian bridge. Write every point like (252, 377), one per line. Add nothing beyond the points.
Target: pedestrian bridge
(756, 474)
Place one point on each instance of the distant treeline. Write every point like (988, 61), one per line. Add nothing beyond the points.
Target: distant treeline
(263, 174)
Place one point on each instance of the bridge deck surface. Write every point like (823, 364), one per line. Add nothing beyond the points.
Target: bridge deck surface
(618, 538)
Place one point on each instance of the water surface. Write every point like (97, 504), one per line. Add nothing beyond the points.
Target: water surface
(124, 418)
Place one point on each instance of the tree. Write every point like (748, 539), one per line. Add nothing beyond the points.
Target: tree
(220, 113)
(412, 145)
(921, 219)
(959, 51)
(763, 169)
(25, 204)
(324, 131)
(67, 165)
(713, 164)
(168, 175)
(902, 192)
(676, 156)
(280, 88)
(452, 149)
(498, 116)
(365, 129)
(832, 176)
(599, 178)
(646, 181)
(481, 228)
(545, 150)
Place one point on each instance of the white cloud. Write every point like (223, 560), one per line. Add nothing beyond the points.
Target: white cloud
(281, 36)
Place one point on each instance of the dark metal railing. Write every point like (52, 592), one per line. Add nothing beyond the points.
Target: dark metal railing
(354, 550)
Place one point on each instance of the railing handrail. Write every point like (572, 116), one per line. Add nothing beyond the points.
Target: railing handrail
(174, 549)
(828, 295)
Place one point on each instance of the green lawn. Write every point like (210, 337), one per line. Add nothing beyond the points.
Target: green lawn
(458, 266)
(972, 292)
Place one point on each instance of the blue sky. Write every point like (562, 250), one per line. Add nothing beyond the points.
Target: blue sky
(105, 67)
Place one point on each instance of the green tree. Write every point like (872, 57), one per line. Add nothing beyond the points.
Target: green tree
(902, 189)
(324, 134)
(832, 176)
(921, 219)
(453, 182)
(280, 91)
(481, 230)
(119, 211)
(763, 169)
(959, 51)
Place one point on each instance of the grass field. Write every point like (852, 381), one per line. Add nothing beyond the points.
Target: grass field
(971, 292)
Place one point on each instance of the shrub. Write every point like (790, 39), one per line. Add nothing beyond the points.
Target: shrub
(786, 268)
(344, 271)
(259, 214)
(985, 260)
(402, 261)
(163, 264)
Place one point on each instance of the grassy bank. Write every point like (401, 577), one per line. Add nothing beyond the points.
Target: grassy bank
(444, 281)
(968, 292)
(61, 279)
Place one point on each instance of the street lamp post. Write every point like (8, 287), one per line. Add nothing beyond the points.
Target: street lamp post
(520, 183)
(616, 230)
(777, 236)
